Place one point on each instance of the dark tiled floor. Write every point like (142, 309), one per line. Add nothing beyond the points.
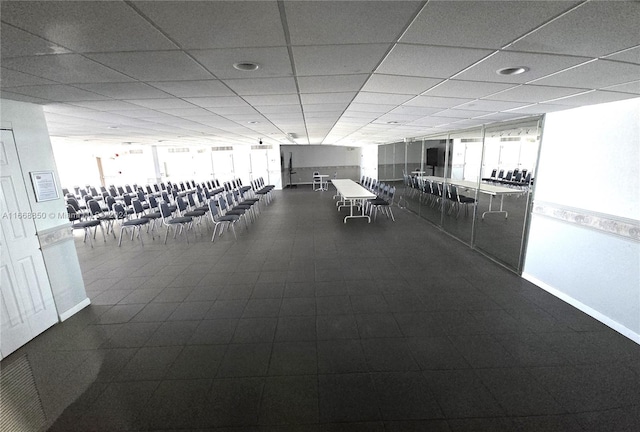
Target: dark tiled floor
(308, 324)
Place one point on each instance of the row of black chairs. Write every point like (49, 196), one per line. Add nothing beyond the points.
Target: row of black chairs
(438, 195)
(385, 195)
(513, 178)
(179, 210)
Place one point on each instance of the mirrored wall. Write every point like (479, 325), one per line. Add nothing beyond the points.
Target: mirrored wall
(475, 184)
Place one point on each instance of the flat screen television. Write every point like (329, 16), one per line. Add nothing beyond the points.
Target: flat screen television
(432, 156)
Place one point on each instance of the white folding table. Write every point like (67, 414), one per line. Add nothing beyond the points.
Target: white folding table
(352, 195)
(487, 189)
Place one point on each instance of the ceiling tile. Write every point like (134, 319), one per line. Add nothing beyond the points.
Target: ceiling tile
(214, 102)
(326, 107)
(381, 98)
(132, 90)
(65, 68)
(87, 26)
(321, 98)
(11, 78)
(631, 55)
(370, 108)
(285, 99)
(217, 24)
(185, 89)
(161, 103)
(279, 109)
(539, 65)
(466, 89)
(399, 84)
(272, 62)
(491, 105)
(631, 87)
(22, 98)
(461, 113)
(479, 24)
(429, 61)
(414, 110)
(539, 109)
(18, 43)
(337, 59)
(345, 22)
(154, 65)
(436, 102)
(107, 105)
(595, 75)
(594, 29)
(534, 93)
(331, 83)
(57, 93)
(592, 98)
(262, 86)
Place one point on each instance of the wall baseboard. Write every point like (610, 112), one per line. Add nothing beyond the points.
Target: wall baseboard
(584, 308)
(74, 310)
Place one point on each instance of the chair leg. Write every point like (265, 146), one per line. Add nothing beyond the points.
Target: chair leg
(166, 235)
(122, 228)
(215, 227)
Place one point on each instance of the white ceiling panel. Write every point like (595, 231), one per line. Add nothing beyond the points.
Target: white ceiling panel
(17, 43)
(217, 24)
(346, 22)
(429, 61)
(154, 65)
(461, 113)
(124, 61)
(436, 102)
(534, 93)
(479, 24)
(631, 55)
(86, 26)
(331, 83)
(161, 103)
(595, 75)
(631, 87)
(399, 84)
(272, 62)
(595, 29)
(58, 93)
(592, 98)
(539, 65)
(491, 105)
(131, 90)
(11, 78)
(279, 109)
(285, 99)
(183, 89)
(107, 105)
(381, 98)
(321, 98)
(216, 102)
(65, 68)
(22, 98)
(466, 89)
(263, 86)
(337, 59)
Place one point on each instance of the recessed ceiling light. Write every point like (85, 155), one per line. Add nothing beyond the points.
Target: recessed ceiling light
(393, 122)
(253, 122)
(517, 70)
(112, 127)
(246, 66)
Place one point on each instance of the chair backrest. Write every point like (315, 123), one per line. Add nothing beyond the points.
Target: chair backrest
(137, 206)
(509, 175)
(222, 203)
(118, 211)
(182, 205)
(153, 203)
(128, 189)
(493, 173)
(94, 207)
(120, 190)
(127, 199)
(73, 203)
(192, 202)
(501, 174)
(164, 210)
(73, 215)
(110, 202)
(141, 196)
(213, 209)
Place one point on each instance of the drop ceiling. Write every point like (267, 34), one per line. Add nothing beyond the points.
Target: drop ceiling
(337, 73)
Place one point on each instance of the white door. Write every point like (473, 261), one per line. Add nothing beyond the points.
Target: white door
(260, 165)
(26, 301)
(223, 166)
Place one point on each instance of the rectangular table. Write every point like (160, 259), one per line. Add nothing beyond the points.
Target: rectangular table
(485, 188)
(352, 194)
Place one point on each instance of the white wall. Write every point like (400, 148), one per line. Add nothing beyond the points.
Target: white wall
(343, 162)
(369, 161)
(34, 149)
(584, 240)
